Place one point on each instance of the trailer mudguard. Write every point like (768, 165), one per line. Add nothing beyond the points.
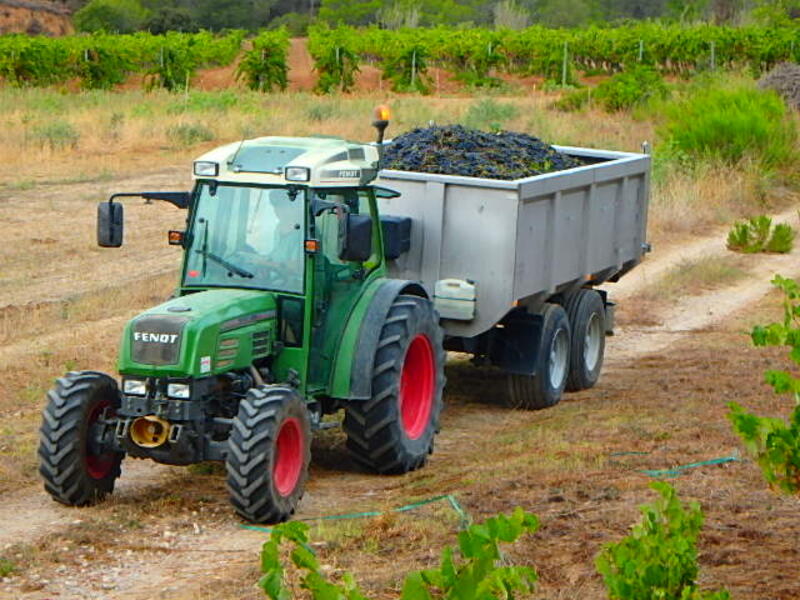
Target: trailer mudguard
(515, 346)
(352, 372)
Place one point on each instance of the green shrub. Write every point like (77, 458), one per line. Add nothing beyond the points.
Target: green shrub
(321, 112)
(111, 16)
(630, 88)
(7, 568)
(488, 114)
(476, 576)
(623, 91)
(264, 67)
(772, 441)
(56, 134)
(658, 560)
(731, 122)
(573, 100)
(758, 235)
(189, 134)
(407, 68)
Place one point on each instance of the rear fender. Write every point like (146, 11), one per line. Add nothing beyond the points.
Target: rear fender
(515, 346)
(352, 371)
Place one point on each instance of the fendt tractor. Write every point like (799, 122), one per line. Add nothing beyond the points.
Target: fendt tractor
(313, 282)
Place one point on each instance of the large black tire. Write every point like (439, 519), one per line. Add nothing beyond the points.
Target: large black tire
(544, 387)
(393, 431)
(587, 314)
(269, 450)
(75, 469)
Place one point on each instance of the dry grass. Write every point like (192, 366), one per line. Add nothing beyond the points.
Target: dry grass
(690, 278)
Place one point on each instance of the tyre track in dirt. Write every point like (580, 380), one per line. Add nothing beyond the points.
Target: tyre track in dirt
(185, 572)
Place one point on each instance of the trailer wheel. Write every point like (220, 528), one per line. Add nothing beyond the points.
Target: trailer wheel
(269, 450)
(393, 431)
(586, 313)
(544, 388)
(76, 466)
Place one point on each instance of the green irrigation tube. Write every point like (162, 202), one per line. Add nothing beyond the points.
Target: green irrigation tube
(451, 499)
(678, 471)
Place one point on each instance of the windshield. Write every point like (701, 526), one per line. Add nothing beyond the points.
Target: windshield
(247, 237)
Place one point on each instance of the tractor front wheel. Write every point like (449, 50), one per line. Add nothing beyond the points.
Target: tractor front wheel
(269, 450)
(75, 462)
(393, 431)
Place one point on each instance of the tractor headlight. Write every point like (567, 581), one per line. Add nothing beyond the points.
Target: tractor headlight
(179, 390)
(297, 174)
(135, 387)
(206, 169)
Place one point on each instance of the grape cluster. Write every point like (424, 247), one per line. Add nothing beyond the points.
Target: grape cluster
(458, 150)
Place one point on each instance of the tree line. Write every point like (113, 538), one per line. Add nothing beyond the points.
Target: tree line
(159, 16)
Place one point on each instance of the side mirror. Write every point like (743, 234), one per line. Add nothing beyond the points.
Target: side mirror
(109, 224)
(355, 237)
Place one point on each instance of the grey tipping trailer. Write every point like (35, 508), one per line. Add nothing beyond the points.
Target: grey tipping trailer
(509, 250)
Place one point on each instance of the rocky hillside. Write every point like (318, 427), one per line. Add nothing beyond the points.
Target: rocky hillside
(35, 17)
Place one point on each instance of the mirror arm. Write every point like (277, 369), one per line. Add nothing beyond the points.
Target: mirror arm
(179, 199)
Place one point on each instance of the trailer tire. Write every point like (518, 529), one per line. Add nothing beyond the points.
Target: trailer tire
(544, 387)
(269, 450)
(586, 312)
(393, 431)
(74, 470)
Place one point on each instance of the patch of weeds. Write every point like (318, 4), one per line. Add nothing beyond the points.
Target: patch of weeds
(7, 567)
(321, 112)
(189, 134)
(197, 101)
(207, 468)
(759, 235)
(21, 185)
(694, 277)
(488, 114)
(56, 135)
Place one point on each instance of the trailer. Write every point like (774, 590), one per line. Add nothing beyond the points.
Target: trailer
(495, 255)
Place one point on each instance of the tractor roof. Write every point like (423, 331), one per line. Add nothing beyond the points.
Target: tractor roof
(316, 161)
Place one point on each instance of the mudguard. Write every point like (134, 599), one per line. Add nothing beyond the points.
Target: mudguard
(352, 372)
(515, 347)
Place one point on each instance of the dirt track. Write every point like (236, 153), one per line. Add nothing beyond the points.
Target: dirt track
(168, 533)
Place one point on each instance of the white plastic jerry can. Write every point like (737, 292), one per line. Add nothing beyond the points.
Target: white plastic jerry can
(455, 299)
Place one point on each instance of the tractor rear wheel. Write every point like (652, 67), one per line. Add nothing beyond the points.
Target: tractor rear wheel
(76, 465)
(544, 387)
(586, 312)
(393, 431)
(269, 450)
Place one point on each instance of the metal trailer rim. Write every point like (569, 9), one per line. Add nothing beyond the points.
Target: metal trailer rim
(558, 361)
(417, 385)
(592, 342)
(288, 457)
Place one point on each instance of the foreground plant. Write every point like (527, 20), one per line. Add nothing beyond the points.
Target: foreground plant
(658, 560)
(474, 576)
(774, 442)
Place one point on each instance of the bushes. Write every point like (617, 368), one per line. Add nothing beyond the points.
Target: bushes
(659, 558)
(758, 235)
(730, 122)
(264, 67)
(476, 575)
(774, 442)
(622, 92)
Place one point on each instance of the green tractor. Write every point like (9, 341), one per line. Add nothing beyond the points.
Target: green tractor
(284, 313)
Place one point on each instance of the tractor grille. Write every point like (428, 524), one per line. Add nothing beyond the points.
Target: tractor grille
(260, 344)
(227, 351)
(156, 339)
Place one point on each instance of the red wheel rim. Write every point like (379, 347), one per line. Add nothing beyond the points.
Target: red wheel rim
(288, 461)
(417, 383)
(97, 465)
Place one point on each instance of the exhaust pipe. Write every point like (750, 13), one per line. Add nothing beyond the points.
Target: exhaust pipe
(150, 431)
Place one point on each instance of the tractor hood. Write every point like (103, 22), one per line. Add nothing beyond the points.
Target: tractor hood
(200, 334)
